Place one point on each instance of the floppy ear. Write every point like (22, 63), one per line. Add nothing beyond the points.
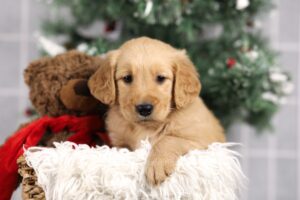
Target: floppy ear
(102, 83)
(187, 85)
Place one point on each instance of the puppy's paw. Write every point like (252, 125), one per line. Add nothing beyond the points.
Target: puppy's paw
(159, 168)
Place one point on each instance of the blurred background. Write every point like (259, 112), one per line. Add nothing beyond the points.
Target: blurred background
(271, 158)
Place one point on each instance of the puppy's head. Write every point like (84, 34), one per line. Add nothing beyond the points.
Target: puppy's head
(147, 79)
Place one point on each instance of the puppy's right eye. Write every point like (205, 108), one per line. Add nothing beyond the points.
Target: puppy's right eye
(128, 79)
(160, 79)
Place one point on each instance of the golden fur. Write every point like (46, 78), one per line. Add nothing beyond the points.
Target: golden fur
(180, 121)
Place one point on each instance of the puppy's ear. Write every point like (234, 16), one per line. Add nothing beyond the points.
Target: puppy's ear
(187, 85)
(102, 83)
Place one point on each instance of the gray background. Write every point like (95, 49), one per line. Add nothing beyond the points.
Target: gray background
(271, 161)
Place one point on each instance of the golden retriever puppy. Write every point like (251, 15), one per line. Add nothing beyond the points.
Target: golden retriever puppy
(153, 92)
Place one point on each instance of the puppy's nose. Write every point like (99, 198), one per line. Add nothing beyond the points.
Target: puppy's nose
(144, 109)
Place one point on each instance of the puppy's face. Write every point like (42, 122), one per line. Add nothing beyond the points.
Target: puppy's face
(145, 78)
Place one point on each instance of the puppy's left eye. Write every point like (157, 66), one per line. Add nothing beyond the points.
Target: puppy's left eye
(128, 79)
(160, 79)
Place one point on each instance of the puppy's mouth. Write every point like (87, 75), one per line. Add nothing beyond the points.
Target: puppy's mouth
(144, 119)
(147, 121)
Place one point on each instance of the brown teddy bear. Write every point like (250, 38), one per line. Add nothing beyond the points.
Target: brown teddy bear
(58, 90)
(58, 85)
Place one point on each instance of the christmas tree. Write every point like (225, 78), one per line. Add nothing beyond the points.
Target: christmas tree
(240, 77)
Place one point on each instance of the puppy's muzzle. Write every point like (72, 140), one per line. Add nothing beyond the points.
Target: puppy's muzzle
(144, 109)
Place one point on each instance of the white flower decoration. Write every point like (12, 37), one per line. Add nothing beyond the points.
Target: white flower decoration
(50, 47)
(242, 4)
(252, 55)
(269, 96)
(287, 88)
(278, 77)
(83, 47)
(148, 9)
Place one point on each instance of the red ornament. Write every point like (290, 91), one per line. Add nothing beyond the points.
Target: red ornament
(110, 26)
(230, 62)
(29, 112)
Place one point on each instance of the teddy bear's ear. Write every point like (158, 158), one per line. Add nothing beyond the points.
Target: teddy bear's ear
(102, 83)
(35, 68)
(76, 96)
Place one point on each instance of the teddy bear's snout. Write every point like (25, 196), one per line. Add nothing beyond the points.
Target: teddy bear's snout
(81, 88)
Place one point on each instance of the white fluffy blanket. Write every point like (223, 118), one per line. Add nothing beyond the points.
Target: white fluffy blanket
(78, 172)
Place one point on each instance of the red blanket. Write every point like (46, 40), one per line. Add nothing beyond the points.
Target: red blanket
(84, 128)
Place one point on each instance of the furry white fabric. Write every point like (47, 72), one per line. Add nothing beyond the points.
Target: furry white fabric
(78, 172)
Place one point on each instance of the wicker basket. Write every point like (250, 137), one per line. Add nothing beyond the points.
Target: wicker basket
(30, 188)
